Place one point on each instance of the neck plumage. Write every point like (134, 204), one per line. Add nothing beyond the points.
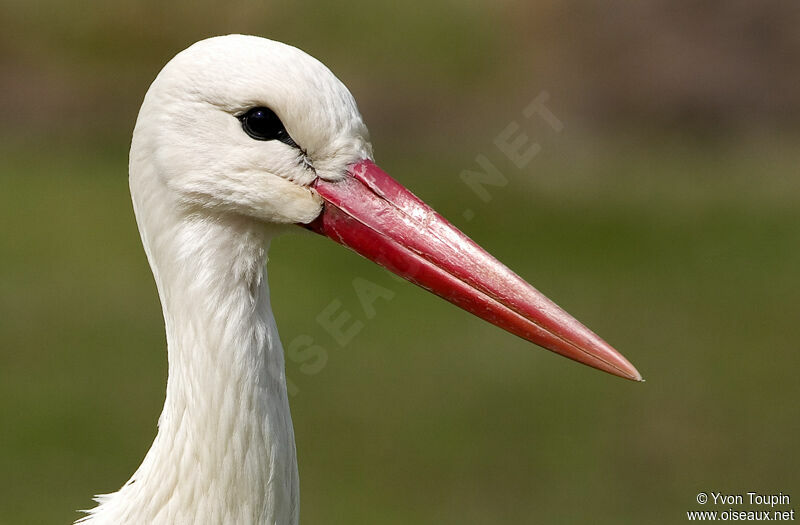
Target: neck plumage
(225, 449)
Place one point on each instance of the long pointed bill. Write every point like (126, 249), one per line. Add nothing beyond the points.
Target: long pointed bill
(372, 214)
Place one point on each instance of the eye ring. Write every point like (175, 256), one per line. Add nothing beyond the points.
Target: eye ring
(261, 123)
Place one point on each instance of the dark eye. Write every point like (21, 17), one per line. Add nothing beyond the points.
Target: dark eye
(263, 124)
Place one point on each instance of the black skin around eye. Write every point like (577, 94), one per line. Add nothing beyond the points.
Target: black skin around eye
(262, 123)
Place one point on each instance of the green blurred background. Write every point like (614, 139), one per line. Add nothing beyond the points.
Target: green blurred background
(665, 215)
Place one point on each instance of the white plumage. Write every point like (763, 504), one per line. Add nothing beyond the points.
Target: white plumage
(208, 199)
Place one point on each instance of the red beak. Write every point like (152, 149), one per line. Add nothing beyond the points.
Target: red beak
(372, 214)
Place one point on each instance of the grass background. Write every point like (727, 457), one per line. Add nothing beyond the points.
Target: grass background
(671, 227)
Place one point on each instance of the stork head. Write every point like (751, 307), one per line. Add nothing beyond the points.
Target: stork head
(241, 124)
(252, 128)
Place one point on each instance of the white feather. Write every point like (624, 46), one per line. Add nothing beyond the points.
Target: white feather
(207, 200)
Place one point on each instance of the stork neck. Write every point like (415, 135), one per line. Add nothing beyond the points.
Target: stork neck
(225, 449)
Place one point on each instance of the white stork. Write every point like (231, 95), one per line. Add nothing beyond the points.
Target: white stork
(238, 138)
